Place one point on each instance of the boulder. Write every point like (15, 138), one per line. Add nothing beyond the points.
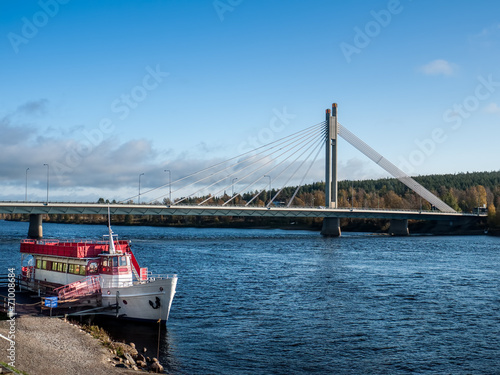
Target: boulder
(129, 359)
(156, 367)
(139, 357)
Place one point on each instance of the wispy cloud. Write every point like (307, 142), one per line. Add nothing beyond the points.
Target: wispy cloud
(33, 107)
(487, 37)
(488, 31)
(492, 108)
(439, 67)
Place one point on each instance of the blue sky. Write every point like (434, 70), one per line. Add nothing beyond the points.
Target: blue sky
(103, 91)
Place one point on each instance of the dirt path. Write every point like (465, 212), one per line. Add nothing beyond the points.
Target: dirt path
(48, 346)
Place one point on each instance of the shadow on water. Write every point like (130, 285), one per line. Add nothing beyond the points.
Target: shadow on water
(152, 338)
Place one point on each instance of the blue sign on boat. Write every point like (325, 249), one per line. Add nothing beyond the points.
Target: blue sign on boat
(51, 301)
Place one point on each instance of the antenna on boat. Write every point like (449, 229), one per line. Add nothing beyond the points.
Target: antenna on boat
(112, 249)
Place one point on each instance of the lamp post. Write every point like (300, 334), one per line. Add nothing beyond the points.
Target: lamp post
(47, 182)
(139, 199)
(266, 175)
(169, 185)
(352, 194)
(26, 186)
(232, 188)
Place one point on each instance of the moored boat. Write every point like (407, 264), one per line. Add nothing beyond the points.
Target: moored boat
(107, 270)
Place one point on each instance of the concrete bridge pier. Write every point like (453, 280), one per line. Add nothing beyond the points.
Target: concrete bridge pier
(331, 227)
(399, 227)
(35, 230)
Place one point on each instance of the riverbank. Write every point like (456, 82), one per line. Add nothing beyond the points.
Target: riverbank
(47, 346)
(378, 226)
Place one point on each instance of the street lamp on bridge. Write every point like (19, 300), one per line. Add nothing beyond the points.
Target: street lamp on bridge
(139, 199)
(169, 185)
(47, 182)
(26, 186)
(232, 188)
(266, 175)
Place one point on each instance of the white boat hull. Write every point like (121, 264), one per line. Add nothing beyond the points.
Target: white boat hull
(149, 301)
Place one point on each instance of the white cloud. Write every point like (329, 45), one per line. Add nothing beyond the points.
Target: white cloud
(488, 31)
(488, 37)
(359, 169)
(439, 67)
(492, 108)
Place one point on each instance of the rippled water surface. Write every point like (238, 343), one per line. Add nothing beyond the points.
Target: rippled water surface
(292, 302)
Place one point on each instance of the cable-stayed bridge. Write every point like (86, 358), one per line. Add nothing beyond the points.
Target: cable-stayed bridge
(255, 183)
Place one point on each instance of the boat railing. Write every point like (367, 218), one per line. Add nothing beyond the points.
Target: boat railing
(72, 241)
(115, 284)
(154, 277)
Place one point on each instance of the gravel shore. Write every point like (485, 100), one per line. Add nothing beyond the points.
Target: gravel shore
(48, 346)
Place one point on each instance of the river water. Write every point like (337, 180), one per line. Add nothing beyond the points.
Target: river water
(292, 302)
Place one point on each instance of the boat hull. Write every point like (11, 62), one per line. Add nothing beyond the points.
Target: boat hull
(148, 301)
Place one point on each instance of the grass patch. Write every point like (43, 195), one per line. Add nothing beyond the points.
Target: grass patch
(119, 352)
(13, 369)
(99, 334)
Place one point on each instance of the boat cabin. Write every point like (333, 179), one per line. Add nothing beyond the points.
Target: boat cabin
(66, 262)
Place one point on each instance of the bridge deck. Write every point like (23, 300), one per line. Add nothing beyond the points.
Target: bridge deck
(147, 209)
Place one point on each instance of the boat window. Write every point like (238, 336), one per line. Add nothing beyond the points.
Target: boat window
(82, 270)
(105, 262)
(44, 264)
(60, 267)
(65, 267)
(71, 268)
(123, 261)
(38, 263)
(54, 266)
(93, 267)
(115, 261)
(77, 269)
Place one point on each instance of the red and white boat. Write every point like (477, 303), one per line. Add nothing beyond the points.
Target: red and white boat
(74, 269)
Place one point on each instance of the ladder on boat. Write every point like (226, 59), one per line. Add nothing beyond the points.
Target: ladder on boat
(81, 288)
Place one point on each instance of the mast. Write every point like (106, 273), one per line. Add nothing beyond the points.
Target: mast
(112, 249)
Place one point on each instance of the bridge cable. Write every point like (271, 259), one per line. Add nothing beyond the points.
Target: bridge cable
(320, 144)
(294, 135)
(311, 141)
(305, 175)
(283, 143)
(253, 172)
(238, 171)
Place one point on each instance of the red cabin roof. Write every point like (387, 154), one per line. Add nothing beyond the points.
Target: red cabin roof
(71, 249)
